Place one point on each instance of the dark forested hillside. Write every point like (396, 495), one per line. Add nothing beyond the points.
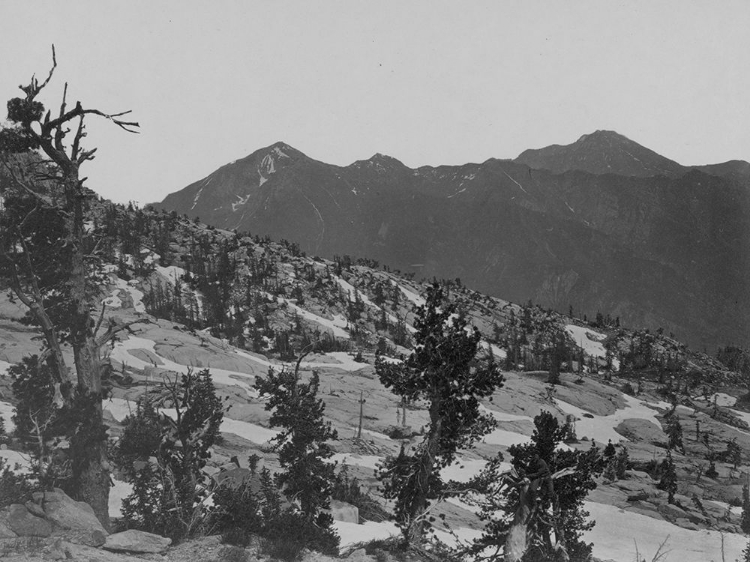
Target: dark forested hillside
(669, 250)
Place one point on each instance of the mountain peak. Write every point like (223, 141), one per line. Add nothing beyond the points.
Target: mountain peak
(378, 157)
(279, 149)
(380, 162)
(602, 152)
(603, 134)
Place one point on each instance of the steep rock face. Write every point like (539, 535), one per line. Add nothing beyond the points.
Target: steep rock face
(669, 250)
(601, 152)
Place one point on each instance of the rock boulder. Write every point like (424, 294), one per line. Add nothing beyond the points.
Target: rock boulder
(75, 521)
(25, 524)
(345, 512)
(136, 541)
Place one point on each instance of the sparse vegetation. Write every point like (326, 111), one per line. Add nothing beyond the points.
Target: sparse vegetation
(168, 495)
(303, 451)
(553, 519)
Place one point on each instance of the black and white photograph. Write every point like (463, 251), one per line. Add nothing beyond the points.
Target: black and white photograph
(356, 281)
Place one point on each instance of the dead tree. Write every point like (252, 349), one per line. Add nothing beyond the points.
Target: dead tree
(59, 139)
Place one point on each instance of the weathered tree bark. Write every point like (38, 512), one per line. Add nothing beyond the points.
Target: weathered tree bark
(418, 510)
(91, 475)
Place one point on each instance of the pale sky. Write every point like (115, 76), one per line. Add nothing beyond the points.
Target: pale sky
(426, 82)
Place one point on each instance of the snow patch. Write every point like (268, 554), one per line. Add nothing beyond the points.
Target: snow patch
(114, 300)
(121, 353)
(352, 534)
(4, 366)
(242, 201)
(588, 340)
(268, 164)
(617, 531)
(173, 274)
(723, 400)
(119, 408)
(463, 470)
(743, 416)
(118, 492)
(413, 297)
(602, 428)
(333, 325)
(497, 352)
(342, 359)
(13, 458)
(250, 431)
(352, 459)
(6, 413)
(198, 195)
(514, 181)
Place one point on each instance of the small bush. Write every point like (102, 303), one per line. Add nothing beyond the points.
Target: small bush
(610, 471)
(386, 549)
(232, 554)
(399, 432)
(14, 487)
(622, 462)
(168, 495)
(237, 514)
(347, 490)
(287, 536)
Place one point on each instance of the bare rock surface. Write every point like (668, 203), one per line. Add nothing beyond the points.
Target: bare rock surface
(342, 511)
(136, 541)
(24, 524)
(74, 521)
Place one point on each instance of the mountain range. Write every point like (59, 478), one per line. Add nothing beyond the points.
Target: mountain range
(601, 225)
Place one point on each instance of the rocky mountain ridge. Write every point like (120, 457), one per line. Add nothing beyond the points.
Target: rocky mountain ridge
(602, 152)
(665, 246)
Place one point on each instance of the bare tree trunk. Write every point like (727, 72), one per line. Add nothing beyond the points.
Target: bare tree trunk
(93, 479)
(418, 508)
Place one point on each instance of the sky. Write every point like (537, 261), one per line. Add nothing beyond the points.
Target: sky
(428, 83)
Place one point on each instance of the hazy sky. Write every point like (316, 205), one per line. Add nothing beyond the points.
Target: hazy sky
(425, 82)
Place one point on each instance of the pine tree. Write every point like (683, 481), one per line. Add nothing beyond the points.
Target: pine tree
(622, 459)
(302, 443)
(734, 452)
(745, 521)
(443, 370)
(609, 450)
(556, 536)
(674, 433)
(668, 481)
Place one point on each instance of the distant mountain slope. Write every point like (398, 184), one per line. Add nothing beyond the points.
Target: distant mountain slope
(735, 170)
(665, 251)
(602, 152)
